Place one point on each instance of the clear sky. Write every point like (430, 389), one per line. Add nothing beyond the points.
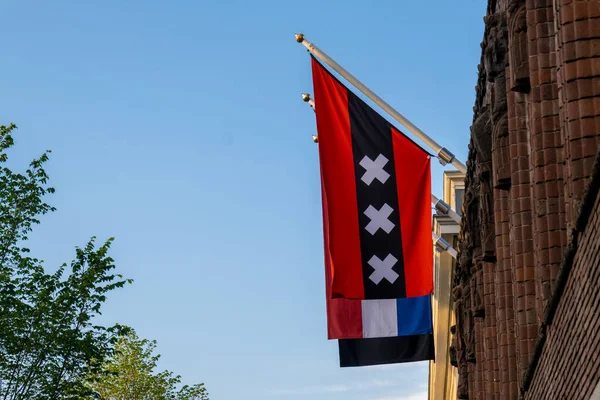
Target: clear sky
(177, 127)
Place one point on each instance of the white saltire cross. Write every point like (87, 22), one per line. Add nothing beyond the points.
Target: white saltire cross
(379, 219)
(374, 169)
(383, 269)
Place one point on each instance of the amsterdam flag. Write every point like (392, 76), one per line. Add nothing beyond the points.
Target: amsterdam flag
(378, 188)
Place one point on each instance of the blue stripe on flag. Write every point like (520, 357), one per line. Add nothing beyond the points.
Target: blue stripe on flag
(414, 315)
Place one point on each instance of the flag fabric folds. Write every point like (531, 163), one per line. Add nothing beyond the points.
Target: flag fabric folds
(377, 215)
(392, 350)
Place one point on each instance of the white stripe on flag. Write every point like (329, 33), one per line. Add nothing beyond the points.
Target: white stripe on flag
(379, 318)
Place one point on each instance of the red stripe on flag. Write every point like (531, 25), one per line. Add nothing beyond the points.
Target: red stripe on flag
(413, 177)
(344, 317)
(339, 184)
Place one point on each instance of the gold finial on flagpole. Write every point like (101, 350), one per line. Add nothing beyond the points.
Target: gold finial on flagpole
(307, 99)
(299, 37)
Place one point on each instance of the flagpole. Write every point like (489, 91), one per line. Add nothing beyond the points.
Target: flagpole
(444, 208)
(307, 99)
(442, 245)
(445, 156)
(439, 205)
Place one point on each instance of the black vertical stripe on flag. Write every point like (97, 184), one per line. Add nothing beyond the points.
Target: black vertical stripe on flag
(372, 138)
(389, 350)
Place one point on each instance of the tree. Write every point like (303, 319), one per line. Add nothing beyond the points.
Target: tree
(129, 375)
(48, 341)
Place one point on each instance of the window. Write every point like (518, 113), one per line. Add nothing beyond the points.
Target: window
(458, 200)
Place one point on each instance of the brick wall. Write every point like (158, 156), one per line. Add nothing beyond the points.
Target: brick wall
(504, 294)
(578, 80)
(546, 147)
(534, 137)
(568, 365)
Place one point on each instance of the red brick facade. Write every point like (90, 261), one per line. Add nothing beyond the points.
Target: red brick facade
(534, 139)
(566, 363)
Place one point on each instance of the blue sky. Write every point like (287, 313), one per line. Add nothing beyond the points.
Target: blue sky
(177, 127)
